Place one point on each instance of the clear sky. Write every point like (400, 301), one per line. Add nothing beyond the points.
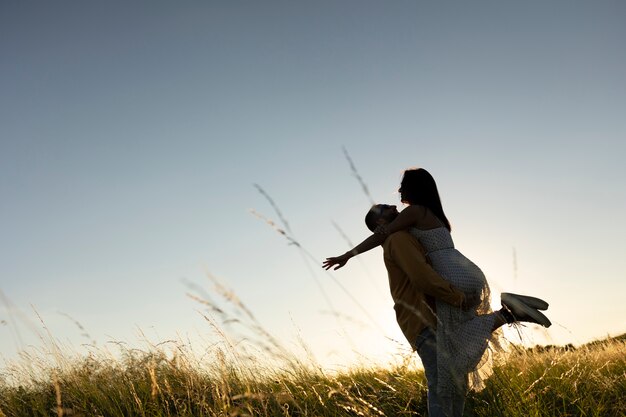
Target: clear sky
(131, 135)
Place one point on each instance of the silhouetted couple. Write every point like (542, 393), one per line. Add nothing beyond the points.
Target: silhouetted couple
(441, 298)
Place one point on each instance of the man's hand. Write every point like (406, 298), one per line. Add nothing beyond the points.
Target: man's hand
(471, 301)
(339, 261)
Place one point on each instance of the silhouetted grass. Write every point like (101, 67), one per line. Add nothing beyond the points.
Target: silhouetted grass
(588, 381)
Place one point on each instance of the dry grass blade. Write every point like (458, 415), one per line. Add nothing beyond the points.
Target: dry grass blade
(308, 255)
(274, 206)
(587, 381)
(358, 177)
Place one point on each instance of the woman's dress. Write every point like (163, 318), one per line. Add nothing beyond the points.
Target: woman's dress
(463, 337)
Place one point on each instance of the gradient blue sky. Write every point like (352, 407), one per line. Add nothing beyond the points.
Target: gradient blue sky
(132, 135)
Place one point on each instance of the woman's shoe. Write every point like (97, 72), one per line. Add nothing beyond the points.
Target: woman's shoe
(523, 312)
(533, 302)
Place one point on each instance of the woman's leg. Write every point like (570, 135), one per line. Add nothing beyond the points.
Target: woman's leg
(522, 308)
(498, 321)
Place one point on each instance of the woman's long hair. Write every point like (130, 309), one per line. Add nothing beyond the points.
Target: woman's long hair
(418, 187)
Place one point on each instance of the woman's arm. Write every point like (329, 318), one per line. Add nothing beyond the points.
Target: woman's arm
(406, 218)
(409, 217)
(370, 243)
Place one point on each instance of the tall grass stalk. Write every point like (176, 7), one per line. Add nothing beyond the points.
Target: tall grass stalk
(256, 376)
(169, 380)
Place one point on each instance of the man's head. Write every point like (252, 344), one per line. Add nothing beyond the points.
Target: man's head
(380, 214)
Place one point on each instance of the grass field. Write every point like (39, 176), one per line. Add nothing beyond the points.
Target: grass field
(168, 380)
